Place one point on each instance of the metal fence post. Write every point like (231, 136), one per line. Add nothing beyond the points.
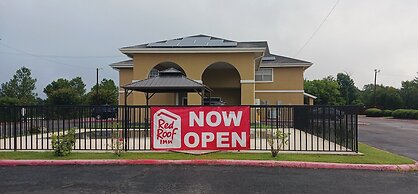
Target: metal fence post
(15, 128)
(356, 131)
(125, 121)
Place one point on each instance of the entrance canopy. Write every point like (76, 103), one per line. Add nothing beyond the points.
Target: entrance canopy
(169, 81)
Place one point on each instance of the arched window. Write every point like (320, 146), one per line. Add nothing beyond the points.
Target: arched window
(153, 73)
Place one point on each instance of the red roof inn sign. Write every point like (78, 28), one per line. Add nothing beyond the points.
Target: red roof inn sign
(200, 128)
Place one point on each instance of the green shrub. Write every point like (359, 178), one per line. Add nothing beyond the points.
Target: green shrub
(387, 113)
(373, 112)
(405, 114)
(63, 144)
(35, 130)
(410, 114)
(399, 113)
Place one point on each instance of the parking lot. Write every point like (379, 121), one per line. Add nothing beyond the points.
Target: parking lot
(393, 135)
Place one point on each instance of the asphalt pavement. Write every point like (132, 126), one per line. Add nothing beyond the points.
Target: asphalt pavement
(393, 135)
(200, 179)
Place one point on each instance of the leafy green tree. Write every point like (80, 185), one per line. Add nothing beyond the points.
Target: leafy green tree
(66, 92)
(327, 90)
(20, 87)
(8, 101)
(348, 91)
(387, 97)
(409, 93)
(108, 93)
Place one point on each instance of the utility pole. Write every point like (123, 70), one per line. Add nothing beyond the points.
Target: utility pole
(376, 71)
(97, 86)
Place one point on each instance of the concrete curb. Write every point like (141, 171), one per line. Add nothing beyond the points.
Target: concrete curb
(261, 163)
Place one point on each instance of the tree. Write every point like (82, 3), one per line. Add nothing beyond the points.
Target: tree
(409, 93)
(387, 97)
(65, 92)
(8, 101)
(327, 90)
(21, 87)
(108, 93)
(349, 92)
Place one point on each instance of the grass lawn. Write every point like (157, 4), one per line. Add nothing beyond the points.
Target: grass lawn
(371, 156)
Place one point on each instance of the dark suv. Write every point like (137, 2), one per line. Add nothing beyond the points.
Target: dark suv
(104, 112)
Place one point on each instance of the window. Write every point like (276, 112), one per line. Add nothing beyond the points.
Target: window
(264, 75)
(153, 73)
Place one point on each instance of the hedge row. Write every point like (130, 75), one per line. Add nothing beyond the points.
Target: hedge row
(399, 113)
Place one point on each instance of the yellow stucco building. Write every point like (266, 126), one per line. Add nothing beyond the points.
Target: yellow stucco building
(239, 73)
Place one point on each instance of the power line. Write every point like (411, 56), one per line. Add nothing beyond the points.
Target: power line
(45, 58)
(317, 29)
(65, 56)
(21, 52)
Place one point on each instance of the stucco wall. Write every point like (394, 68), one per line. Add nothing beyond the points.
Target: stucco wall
(194, 66)
(285, 78)
(284, 98)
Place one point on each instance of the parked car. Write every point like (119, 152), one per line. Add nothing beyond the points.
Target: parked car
(214, 101)
(328, 113)
(104, 112)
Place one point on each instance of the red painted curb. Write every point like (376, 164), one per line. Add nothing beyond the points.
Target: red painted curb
(262, 163)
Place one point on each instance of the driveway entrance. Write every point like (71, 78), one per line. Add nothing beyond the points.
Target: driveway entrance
(394, 135)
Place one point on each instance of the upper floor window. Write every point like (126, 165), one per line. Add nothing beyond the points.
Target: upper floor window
(264, 75)
(153, 73)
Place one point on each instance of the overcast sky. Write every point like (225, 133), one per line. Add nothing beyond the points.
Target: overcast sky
(72, 38)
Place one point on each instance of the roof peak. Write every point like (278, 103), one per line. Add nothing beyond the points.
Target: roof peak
(170, 71)
(199, 40)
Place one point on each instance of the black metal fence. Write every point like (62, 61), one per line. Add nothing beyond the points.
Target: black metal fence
(310, 128)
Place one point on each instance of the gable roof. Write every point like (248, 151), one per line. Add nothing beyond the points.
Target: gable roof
(122, 64)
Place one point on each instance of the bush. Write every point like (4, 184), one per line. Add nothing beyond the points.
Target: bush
(63, 144)
(374, 112)
(405, 114)
(387, 113)
(277, 141)
(35, 130)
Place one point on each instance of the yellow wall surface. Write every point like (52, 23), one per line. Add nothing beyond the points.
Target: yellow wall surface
(284, 78)
(281, 98)
(125, 77)
(194, 65)
(225, 83)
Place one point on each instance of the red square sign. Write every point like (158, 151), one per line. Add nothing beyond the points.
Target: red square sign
(200, 128)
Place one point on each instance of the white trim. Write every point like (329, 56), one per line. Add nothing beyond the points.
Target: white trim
(309, 95)
(135, 80)
(198, 81)
(190, 50)
(247, 81)
(122, 66)
(279, 91)
(284, 65)
(264, 81)
(121, 91)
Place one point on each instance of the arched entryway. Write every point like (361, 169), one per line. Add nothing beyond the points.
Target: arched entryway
(167, 98)
(224, 79)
